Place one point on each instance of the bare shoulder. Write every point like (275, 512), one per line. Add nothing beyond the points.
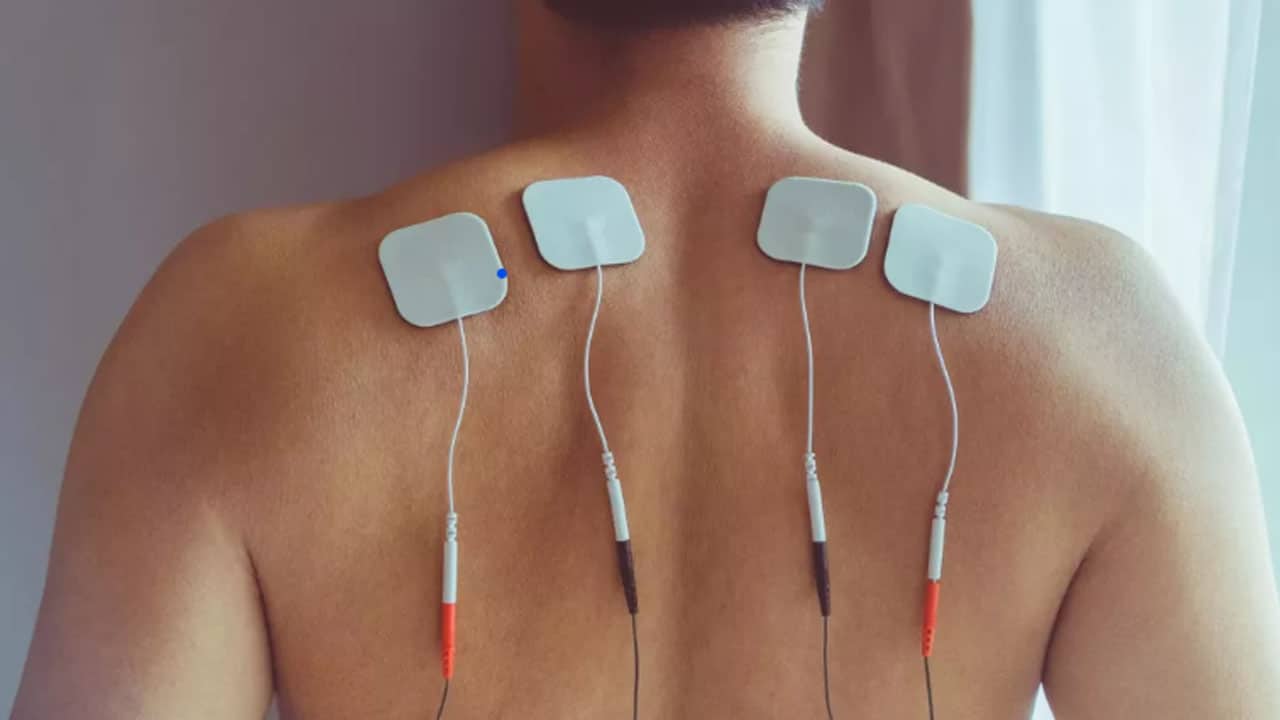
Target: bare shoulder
(1159, 457)
(224, 290)
(148, 556)
(1087, 283)
(282, 250)
(1095, 304)
(261, 282)
(1089, 336)
(1170, 477)
(1084, 311)
(212, 363)
(251, 271)
(252, 308)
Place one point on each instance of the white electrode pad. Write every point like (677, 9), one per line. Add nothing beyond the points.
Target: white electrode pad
(826, 223)
(940, 259)
(443, 270)
(580, 223)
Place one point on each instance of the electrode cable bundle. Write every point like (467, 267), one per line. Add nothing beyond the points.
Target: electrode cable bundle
(447, 269)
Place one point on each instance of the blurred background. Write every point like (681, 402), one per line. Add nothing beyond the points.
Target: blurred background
(125, 125)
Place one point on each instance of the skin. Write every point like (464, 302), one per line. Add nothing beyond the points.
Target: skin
(255, 492)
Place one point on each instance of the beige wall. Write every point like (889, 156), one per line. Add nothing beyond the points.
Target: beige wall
(125, 124)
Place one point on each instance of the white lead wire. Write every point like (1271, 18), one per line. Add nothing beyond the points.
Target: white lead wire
(586, 359)
(617, 504)
(808, 344)
(462, 408)
(938, 532)
(951, 395)
(817, 518)
(449, 590)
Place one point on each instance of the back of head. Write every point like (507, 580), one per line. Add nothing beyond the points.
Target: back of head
(655, 14)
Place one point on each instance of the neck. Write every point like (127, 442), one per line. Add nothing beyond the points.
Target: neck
(713, 79)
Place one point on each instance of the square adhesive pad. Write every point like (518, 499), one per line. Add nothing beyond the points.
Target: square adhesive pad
(443, 270)
(579, 223)
(941, 259)
(826, 223)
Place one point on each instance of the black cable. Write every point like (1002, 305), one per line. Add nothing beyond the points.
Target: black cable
(826, 667)
(928, 686)
(443, 700)
(635, 687)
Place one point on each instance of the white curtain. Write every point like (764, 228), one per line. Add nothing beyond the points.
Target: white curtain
(1132, 113)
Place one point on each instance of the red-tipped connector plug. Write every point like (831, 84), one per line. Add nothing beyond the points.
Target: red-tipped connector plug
(930, 616)
(937, 542)
(449, 598)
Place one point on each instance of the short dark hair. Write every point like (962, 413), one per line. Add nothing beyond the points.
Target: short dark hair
(654, 14)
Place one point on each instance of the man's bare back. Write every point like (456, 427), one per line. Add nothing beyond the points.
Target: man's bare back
(255, 495)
